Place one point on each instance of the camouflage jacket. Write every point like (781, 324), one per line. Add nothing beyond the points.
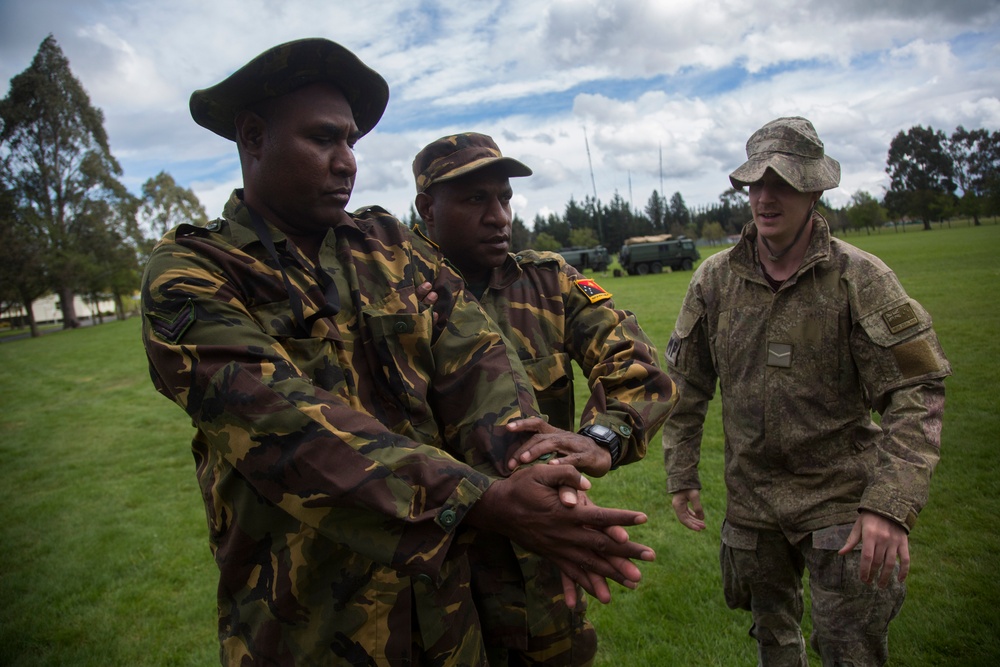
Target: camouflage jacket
(800, 370)
(324, 400)
(552, 315)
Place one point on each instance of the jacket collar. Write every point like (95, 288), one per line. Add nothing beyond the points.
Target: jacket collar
(746, 263)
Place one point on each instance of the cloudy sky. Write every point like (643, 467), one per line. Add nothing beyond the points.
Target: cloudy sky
(663, 92)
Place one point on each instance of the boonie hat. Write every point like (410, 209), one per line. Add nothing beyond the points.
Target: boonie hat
(791, 147)
(458, 154)
(287, 67)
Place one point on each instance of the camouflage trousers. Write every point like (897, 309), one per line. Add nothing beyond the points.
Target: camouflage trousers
(762, 573)
(522, 609)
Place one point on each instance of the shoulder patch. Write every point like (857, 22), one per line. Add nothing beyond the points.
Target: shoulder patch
(172, 330)
(900, 318)
(673, 349)
(592, 290)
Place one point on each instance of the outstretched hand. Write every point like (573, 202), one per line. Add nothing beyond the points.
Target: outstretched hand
(581, 540)
(599, 583)
(569, 448)
(883, 541)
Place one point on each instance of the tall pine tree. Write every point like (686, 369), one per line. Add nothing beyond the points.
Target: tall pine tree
(57, 160)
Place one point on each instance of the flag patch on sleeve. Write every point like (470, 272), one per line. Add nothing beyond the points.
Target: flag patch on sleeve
(592, 290)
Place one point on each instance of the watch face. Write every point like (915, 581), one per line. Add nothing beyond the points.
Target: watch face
(601, 431)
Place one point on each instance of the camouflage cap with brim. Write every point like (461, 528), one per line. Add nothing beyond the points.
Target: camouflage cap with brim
(285, 68)
(791, 147)
(458, 154)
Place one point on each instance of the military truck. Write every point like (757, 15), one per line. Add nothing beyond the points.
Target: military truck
(587, 259)
(651, 254)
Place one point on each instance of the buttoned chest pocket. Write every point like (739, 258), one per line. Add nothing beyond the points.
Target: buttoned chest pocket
(402, 347)
(321, 358)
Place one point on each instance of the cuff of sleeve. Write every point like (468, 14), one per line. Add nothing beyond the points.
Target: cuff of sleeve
(891, 508)
(681, 482)
(462, 499)
(422, 550)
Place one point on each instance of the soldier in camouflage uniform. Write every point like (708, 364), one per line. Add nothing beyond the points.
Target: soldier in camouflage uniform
(806, 335)
(347, 437)
(551, 315)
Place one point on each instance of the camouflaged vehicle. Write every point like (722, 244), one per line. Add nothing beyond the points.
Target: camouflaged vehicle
(586, 259)
(651, 254)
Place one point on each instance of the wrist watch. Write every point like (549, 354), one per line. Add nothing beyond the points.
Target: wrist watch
(606, 438)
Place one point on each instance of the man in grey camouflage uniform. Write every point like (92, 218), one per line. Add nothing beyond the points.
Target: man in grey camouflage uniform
(806, 335)
(551, 316)
(348, 437)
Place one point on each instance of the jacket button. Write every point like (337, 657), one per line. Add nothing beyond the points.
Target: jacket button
(447, 518)
(625, 430)
(399, 327)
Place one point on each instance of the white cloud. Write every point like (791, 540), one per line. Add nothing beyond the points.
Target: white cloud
(690, 79)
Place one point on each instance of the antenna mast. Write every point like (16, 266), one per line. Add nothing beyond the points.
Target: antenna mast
(593, 184)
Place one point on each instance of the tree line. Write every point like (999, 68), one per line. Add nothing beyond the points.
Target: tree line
(69, 226)
(933, 177)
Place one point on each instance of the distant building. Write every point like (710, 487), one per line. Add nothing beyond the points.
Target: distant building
(46, 309)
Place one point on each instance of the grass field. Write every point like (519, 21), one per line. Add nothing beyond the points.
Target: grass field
(103, 551)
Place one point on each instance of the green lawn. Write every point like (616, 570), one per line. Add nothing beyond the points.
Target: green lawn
(104, 557)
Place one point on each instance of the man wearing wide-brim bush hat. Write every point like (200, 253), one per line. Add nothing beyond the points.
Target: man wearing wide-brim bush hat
(346, 434)
(805, 336)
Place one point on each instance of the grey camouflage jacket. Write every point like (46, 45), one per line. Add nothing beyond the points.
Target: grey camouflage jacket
(800, 371)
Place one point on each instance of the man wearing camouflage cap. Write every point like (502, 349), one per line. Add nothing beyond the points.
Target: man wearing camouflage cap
(806, 335)
(347, 435)
(552, 316)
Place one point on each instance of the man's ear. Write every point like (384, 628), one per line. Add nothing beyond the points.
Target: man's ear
(425, 209)
(250, 130)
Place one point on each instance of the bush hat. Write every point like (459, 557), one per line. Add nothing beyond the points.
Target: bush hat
(459, 154)
(791, 147)
(287, 67)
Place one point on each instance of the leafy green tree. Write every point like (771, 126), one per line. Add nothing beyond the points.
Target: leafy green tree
(111, 252)
(680, 216)
(835, 218)
(520, 235)
(976, 158)
(713, 233)
(23, 278)
(58, 162)
(735, 210)
(656, 211)
(578, 217)
(865, 212)
(554, 226)
(583, 238)
(545, 241)
(165, 204)
(921, 174)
